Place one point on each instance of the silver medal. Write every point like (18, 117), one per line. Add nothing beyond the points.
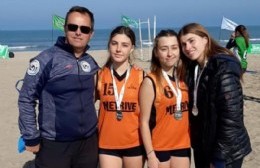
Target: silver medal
(119, 115)
(178, 114)
(195, 110)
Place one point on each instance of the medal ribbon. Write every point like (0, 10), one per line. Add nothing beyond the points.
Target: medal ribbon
(177, 91)
(119, 98)
(197, 76)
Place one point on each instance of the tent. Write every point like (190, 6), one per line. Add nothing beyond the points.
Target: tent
(4, 51)
(254, 49)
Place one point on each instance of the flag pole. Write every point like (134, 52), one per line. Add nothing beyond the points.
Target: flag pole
(52, 29)
(141, 40)
(220, 29)
(154, 27)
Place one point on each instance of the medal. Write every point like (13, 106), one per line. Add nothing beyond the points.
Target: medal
(177, 92)
(197, 76)
(119, 97)
(178, 114)
(195, 110)
(119, 115)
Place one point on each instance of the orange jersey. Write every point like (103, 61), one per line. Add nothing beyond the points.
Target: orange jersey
(114, 134)
(167, 132)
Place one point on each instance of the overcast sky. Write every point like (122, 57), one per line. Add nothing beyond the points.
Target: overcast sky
(37, 14)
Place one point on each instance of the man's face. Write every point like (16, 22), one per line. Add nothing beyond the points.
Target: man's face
(78, 31)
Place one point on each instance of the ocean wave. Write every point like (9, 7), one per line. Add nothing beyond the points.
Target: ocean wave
(251, 39)
(255, 39)
(18, 47)
(28, 47)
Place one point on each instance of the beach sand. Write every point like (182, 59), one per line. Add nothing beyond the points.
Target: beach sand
(11, 70)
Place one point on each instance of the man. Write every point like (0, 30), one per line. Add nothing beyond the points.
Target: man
(61, 79)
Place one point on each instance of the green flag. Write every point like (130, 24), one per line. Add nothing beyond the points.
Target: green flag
(58, 22)
(126, 21)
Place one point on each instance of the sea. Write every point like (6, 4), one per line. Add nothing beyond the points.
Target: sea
(38, 40)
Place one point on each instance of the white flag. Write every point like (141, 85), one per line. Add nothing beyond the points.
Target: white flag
(228, 24)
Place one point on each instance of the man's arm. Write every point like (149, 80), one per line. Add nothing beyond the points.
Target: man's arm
(27, 101)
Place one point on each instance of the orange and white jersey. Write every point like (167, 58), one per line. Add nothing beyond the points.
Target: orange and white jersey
(114, 134)
(169, 133)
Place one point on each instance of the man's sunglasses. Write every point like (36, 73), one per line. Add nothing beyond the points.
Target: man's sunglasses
(83, 29)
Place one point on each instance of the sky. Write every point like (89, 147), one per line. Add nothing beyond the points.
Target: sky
(37, 14)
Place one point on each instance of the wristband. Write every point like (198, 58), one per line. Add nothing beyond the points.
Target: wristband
(149, 152)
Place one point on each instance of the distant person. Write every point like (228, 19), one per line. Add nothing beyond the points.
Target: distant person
(218, 135)
(239, 41)
(61, 79)
(164, 106)
(118, 85)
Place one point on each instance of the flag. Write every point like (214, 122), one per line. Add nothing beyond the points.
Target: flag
(126, 21)
(228, 24)
(58, 22)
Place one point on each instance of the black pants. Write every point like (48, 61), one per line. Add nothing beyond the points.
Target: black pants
(77, 154)
(235, 164)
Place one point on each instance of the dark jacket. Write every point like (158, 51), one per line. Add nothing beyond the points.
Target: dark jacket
(218, 131)
(63, 86)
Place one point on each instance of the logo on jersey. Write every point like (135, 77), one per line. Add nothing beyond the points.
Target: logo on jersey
(85, 66)
(125, 106)
(171, 109)
(34, 67)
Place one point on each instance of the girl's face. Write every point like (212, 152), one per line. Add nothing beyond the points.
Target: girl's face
(237, 34)
(193, 46)
(168, 51)
(120, 48)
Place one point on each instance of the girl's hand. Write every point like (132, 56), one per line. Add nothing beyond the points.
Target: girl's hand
(152, 161)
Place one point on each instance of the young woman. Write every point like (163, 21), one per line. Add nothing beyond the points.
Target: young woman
(118, 87)
(218, 134)
(164, 106)
(239, 41)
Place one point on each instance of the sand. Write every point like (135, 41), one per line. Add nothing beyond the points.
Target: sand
(11, 70)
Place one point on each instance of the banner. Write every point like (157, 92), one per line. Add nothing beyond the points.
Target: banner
(58, 22)
(254, 49)
(228, 24)
(126, 21)
(4, 51)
